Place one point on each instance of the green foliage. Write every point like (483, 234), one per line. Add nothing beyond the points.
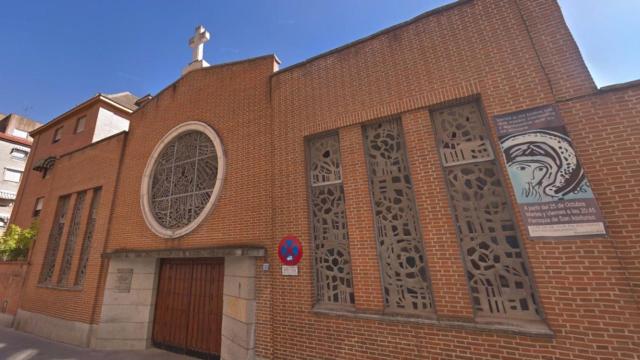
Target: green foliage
(15, 242)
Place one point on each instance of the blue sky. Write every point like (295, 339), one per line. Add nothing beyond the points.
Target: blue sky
(56, 54)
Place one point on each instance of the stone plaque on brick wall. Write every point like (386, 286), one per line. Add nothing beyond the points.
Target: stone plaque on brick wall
(288, 270)
(123, 280)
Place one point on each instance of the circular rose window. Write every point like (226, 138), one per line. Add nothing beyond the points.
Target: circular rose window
(182, 179)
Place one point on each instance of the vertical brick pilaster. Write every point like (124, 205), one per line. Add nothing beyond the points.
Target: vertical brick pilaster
(362, 242)
(449, 285)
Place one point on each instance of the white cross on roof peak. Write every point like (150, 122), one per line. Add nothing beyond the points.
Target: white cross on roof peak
(196, 42)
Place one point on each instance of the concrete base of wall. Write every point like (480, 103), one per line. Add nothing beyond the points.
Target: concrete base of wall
(125, 322)
(70, 332)
(6, 320)
(127, 316)
(239, 309)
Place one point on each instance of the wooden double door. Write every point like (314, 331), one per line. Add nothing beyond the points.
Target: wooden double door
(188, 314)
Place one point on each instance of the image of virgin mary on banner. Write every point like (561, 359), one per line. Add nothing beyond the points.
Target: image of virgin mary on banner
(550, 185)
(543, 167)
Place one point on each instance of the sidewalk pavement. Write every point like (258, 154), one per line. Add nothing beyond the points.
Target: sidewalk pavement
(16, 345)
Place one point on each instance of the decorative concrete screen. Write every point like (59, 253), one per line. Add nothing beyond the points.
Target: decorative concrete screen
(69, 247)
(88, 237)
(403, 265)
(74, 232)
(182, 179)
(496, 265)
(55, 236)
(334, 283)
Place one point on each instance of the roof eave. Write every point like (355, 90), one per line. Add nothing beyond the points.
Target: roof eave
(98, 97)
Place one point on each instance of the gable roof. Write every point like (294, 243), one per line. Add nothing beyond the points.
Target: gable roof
(206, 68)
(124, 100)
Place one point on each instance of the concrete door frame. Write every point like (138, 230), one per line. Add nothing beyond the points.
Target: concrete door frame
(126, 321)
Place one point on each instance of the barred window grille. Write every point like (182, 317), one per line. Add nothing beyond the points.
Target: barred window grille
(403, 265)
(70, 245)
(332, 260)
(53, 244)
(496, 266)
(88, 237)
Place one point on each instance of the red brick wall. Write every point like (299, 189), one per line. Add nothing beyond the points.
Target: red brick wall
(44, 147)
(11, 278)
(69, 140)
(85, 169)
(234, 100)
(482, 49)
(509, 55)
(557, 52)
(606, 131)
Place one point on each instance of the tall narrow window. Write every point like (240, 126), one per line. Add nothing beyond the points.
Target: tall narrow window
(55, 235)
(496, 266)
(402, 260)
(70, 245)
(88, 237)
(334, 283)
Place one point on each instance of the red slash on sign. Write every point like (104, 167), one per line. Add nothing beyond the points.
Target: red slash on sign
(290, 250)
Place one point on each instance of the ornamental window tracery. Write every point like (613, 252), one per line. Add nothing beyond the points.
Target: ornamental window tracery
(332, 260)
(496, 266)
(53, 243)
(182, 179)
(70, 245)
(405, 281)
(88, 237)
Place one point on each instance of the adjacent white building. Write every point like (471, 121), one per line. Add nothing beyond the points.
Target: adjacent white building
(15, 145)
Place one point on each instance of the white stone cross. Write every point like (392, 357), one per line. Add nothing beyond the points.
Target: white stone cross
(197, 43)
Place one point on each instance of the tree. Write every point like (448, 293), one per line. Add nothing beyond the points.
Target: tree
(15, 242)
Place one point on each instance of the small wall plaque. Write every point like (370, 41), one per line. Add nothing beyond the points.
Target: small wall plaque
(123, 280)
(290, 270)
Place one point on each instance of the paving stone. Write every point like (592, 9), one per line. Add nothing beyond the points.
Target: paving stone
(18, 345)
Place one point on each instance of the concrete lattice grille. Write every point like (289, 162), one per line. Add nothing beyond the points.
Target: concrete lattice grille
(402, 261)
(496, 266)
(332, 260)
(183, 179)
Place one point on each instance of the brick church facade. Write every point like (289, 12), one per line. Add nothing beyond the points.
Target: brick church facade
(384, 159)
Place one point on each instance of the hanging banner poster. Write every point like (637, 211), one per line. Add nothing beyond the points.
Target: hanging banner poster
(551, 188)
